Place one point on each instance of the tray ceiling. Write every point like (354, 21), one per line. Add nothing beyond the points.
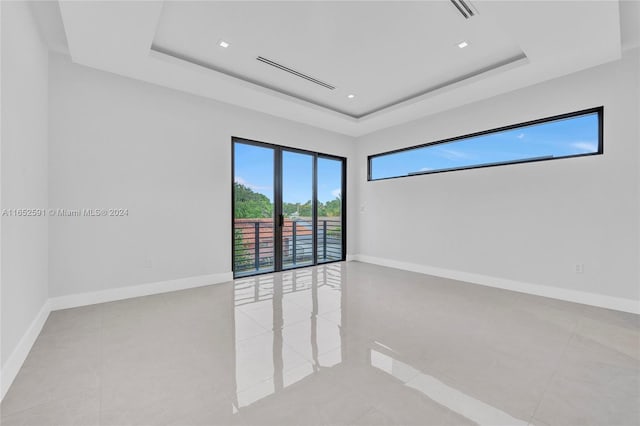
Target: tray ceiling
(401, 60)
(383, 53)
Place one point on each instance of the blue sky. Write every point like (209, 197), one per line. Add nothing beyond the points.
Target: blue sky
(577, 135)
(254, 168)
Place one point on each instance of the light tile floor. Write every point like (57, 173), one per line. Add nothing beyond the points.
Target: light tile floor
(346, 343)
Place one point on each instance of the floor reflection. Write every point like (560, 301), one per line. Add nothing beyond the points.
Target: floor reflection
(469, 407)
(403, 348)
(344, 343)
(301, 317)
(280, 336)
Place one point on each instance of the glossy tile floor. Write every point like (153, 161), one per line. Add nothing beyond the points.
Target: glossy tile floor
(346, 343)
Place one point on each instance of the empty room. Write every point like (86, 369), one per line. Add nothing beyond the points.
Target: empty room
(320, 213)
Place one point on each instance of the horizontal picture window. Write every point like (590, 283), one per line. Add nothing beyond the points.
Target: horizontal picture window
(569, 135)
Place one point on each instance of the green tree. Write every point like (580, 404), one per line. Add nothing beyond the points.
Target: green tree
(253, 205)
(305, 209)
(289, 208)
(333, 207)
(249, 204)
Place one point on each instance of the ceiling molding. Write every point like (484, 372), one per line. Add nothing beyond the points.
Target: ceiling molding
(503, 65)
(117, 37)
(160, 52)
(493, 69)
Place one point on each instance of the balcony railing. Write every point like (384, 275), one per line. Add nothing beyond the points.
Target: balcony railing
(254, 243)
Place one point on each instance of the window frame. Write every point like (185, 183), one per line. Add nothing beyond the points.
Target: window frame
(599, 110)
(278, 150)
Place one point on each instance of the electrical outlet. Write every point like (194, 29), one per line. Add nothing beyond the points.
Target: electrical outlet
(579, 268)
(148, 263)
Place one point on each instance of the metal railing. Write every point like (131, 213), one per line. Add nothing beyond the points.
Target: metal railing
(254, 243)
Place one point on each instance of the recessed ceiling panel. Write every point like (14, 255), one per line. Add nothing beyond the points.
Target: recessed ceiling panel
(381, 52)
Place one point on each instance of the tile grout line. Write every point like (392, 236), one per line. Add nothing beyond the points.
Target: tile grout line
(556, 369)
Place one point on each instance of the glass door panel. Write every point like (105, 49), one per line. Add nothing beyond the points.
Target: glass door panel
(297, 209)
(288, 208)
(253, 215)
(329, 218)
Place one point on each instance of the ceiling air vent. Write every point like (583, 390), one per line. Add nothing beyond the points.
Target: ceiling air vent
(294, 72)
(465, 8)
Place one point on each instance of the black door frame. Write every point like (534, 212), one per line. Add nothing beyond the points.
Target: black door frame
(277, 200)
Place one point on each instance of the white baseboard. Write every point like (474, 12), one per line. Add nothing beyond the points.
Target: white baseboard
(351, 257)
(586, 298)
(120, 293)
(11, 368)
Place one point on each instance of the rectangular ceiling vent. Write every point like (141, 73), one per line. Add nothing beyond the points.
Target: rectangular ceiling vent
(294, 72)
(465, 8)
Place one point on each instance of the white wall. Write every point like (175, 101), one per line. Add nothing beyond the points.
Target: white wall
(24, 174)
(529, 223)
(162, 154)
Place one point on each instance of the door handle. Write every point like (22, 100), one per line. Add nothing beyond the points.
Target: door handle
(281, 221)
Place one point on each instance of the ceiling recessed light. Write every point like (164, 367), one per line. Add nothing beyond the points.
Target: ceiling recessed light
(463, 44)
(351, 96)
(223, 43)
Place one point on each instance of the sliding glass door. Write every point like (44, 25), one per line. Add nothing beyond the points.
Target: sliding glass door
(298, 206)
(288, 208)
(253, 208)
(330, 229)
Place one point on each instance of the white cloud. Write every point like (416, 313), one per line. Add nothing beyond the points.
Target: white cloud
(453, 154)
(585, 146)
(425, 169)
(336, 192)
(520, 136)
(241, 181)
